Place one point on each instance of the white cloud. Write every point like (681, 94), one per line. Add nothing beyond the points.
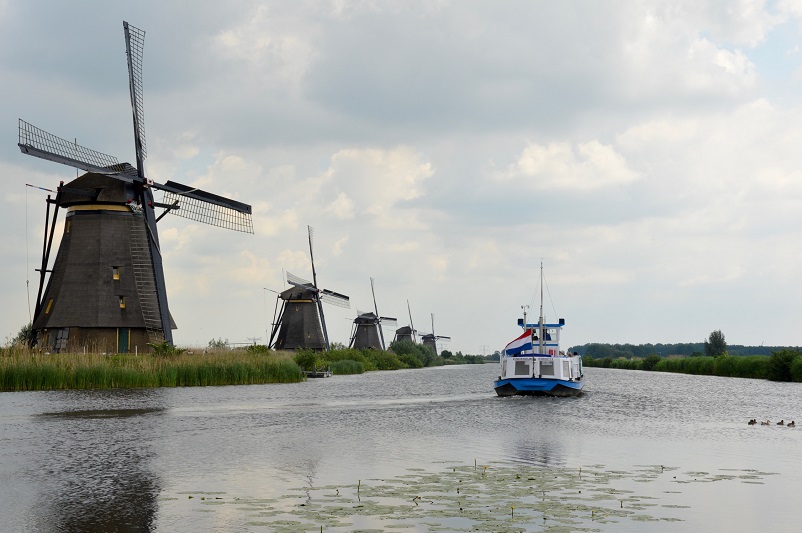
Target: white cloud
(587, 166)
(661, 179)
(342, 207)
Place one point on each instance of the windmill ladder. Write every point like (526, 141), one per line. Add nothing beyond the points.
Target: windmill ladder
(144, 277)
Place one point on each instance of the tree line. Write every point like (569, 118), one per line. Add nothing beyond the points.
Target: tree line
(688, 349)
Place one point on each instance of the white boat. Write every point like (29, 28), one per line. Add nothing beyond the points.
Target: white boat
(534, 365)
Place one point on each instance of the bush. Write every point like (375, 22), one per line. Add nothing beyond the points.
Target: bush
(650, 362)
(384, 360)
(165, 349)
(796, 369)
(258, 349)
(306, 359)
(780, 363)
(422, 353)
(347, 366)
(411, 361)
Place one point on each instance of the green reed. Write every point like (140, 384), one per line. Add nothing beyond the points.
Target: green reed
(25, 370)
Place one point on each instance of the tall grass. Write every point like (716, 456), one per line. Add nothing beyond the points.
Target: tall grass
(24, 370)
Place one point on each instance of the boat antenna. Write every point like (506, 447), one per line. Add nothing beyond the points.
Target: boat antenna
(541, 320)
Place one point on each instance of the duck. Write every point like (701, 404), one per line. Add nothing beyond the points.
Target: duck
(766, 423)
(791, 424)
(781, 423)
(752, 422)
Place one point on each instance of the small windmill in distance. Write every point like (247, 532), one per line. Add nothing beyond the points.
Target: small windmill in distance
(301, 321)
(367, 328)
(407, 333)
(430, 339)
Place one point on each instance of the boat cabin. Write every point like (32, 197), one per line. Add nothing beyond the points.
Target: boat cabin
(537, 355)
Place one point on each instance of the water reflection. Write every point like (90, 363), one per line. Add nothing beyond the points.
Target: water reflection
(142, 460)
(538, 453)
(95, 473)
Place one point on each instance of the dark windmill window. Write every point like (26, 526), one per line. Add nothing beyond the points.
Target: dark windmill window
(115, 273)
(122, 302)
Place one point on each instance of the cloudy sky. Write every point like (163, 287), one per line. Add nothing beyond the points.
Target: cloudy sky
(648, 153)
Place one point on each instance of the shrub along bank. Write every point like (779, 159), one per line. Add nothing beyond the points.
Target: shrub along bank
(781, 365)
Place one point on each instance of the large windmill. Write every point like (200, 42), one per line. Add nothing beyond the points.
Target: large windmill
(367, 329)
(301, 322)
(407, 333)
(430, 339)
(106, 289)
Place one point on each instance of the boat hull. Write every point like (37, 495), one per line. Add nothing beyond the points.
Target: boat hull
(538, 387)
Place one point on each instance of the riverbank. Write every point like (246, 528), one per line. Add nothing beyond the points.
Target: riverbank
(24, 370)
(27, 370)
(782, 365)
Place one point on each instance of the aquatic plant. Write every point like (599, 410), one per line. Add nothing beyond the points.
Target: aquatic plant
(497, 498)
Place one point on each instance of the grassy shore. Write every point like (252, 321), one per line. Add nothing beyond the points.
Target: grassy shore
(782, 365)
(24, 370)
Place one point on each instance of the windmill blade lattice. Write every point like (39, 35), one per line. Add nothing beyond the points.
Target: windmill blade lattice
(135, 46)
(208, 208)
(292, 279)
(335, 298)
(39, 143)
(388, 321)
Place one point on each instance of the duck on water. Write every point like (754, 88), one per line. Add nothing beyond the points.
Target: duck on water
(534, 365)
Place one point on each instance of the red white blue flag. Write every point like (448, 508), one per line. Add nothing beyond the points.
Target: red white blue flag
(521, 344)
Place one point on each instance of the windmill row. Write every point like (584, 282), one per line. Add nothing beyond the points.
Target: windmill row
(301, 322)
(106, 289)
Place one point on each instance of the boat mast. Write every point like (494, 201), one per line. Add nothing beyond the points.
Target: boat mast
(541, 320)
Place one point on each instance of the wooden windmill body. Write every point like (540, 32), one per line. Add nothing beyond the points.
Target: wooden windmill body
(106, 289)
(301, 323)
(407, 333)
(367, 328)
(430, 339)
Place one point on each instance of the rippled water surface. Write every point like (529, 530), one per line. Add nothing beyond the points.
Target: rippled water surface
(639, 451)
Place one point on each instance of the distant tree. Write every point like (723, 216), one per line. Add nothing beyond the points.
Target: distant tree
(445, 354)
(24, 336)
(716, 346)
(218, 344)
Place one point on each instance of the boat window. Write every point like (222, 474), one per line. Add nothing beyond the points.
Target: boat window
(546, 368)
(521, 368)
(566, 369)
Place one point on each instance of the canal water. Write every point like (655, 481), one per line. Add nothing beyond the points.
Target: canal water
(414, 450)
